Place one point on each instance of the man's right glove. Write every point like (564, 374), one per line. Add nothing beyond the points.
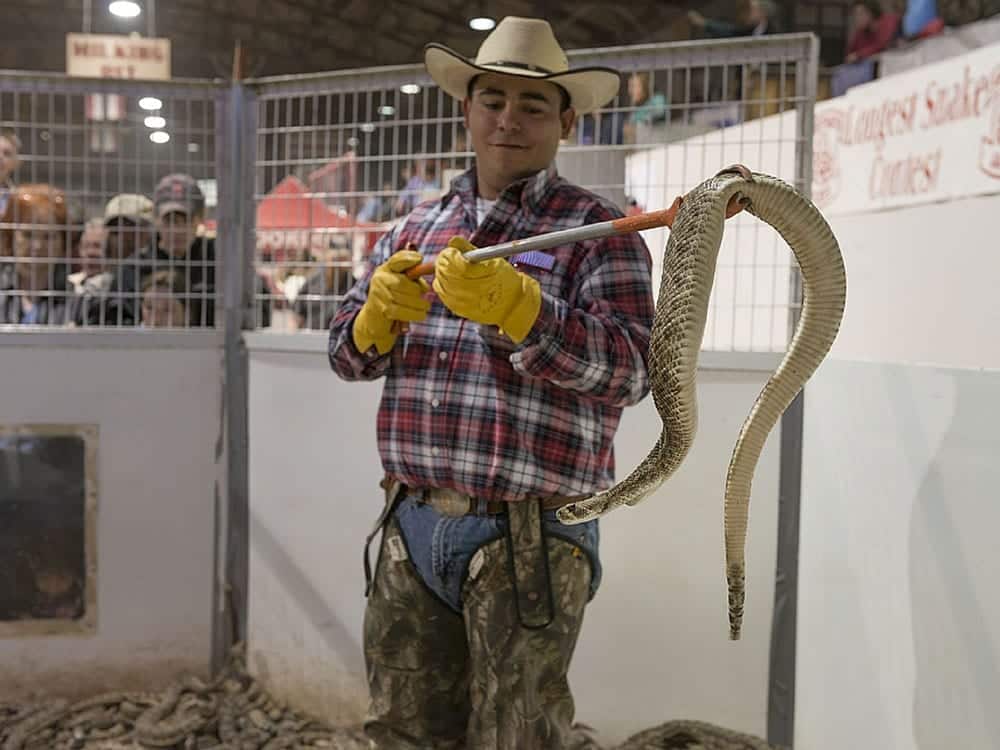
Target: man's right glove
(391, 298)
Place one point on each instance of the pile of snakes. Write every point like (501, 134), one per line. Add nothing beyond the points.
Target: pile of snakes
(232, 712)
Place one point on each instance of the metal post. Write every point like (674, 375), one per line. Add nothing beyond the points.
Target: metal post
(87, 17)
(235, 130)
(781, 683)
(151, 18)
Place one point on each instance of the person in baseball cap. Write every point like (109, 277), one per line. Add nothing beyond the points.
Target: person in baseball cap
(179, 208)
(129, 221)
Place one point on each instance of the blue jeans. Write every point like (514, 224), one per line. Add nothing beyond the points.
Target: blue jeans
(440, 547)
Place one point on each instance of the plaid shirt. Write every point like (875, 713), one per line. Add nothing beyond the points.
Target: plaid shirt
(463, 407)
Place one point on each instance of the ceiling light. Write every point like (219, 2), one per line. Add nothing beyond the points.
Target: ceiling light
(387, 110)
(124, 9)
(482, 23)
(352, 142)
(159, 136)
(155, 122)
(150, 103)
(367, 127)
(410, 88)
(193, 148)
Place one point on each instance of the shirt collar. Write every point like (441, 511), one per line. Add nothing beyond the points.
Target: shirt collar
(530, 192)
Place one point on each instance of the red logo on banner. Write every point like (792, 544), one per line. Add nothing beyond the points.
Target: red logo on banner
(826, 157)
(989, 149)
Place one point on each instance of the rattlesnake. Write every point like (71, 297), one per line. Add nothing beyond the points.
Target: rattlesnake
(678, 327)
(230, 713)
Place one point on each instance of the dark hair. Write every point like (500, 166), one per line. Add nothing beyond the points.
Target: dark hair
(872, 6)
(564, 102)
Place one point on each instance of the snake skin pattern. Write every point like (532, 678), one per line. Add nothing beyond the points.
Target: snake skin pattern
(678, 327)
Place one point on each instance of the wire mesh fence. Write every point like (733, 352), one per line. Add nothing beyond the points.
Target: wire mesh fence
(108, 206)
(107, 197)
(341, 157)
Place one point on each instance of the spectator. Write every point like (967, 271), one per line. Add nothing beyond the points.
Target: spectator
(378, 207)
(419, 187)
(873, 30)
(317, 298)
(921, 19)
(33, 285)
(10, 148)
(89, 285)
(648, 107)
(755, 18)
(164, 300)
(179, 207)
(129, 221)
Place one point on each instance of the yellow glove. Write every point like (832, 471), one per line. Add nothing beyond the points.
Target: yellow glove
(391, 297)
(492, 292)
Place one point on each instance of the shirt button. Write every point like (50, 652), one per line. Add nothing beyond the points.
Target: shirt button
(435, 451)
(435, 403)
(443, 355)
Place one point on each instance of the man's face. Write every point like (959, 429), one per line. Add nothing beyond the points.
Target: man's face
(125, 236)
(92, 250)
(8, 158)
(177, 230)
(515, 126)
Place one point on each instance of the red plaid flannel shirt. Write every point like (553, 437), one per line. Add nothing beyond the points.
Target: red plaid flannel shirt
(463, 407)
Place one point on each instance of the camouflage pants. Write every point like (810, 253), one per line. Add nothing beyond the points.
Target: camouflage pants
(479, 680)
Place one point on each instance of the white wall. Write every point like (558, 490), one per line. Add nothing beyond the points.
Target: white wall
(655, 642)
(898, 643)
(156, 401)
(748, 307)
(922, 284)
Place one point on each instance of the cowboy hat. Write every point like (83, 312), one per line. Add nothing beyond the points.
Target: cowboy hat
(524, 47)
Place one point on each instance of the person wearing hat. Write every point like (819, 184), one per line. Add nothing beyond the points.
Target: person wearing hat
(128, 218)
(500, 404)
(177, 210)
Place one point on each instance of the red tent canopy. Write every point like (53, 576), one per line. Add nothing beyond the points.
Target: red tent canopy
(289, 206)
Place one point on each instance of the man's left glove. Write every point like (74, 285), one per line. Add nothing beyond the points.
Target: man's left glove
(492, 292)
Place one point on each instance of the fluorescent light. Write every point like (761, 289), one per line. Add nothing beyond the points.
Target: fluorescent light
(410, 88)
(155, 122)
(150, 103)
(367, 127)
(124, 9)
(482, 23)
(159, 136)
(387, 110)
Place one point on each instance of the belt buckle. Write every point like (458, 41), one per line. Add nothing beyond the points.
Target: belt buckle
(449, 502)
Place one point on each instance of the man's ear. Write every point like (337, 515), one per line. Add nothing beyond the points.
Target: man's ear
(567, 117)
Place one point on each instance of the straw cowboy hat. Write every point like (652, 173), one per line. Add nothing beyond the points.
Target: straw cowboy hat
(524, 47)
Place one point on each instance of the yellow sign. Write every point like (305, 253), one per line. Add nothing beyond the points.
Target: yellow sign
(117, 56)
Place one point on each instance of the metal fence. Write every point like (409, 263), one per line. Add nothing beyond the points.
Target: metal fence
(313, 169)
(341, 156)
(78, 219)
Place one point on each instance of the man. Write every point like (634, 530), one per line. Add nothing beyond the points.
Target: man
(89, 285)
(128, 218)
(179, 207)
(500, 404)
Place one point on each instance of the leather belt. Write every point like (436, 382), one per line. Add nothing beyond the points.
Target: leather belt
(453, 503)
